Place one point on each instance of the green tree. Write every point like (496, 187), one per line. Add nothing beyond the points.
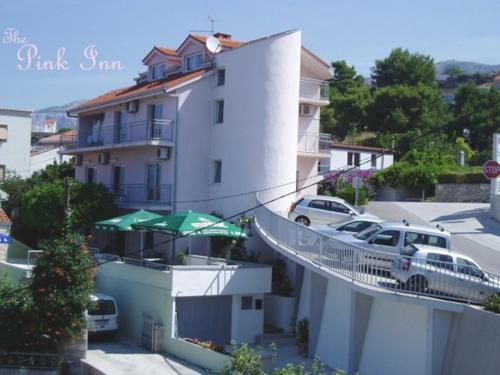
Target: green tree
(349, 98)
(404, 68)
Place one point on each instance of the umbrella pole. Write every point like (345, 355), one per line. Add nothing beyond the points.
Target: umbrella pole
(189, 246)
(142, 242)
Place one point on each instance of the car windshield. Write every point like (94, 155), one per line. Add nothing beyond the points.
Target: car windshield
(102, 307)
(367, 232)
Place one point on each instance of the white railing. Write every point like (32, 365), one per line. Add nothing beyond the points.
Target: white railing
(359, 265)
(141, 193)
(314, 89)
(310, 142)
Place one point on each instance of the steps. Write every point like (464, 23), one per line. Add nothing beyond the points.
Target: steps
(280, 339)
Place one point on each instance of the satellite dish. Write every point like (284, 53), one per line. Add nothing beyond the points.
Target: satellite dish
(213, 44)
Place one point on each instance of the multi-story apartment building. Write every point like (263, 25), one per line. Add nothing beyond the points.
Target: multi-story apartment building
(197, 126)
(15, 142)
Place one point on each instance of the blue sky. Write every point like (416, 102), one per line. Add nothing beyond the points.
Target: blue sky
(355, 30)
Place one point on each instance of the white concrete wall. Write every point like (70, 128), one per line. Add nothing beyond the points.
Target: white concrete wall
(338, 159)
(246, 324)
(40, 160)
(15, 152)
(279, 311)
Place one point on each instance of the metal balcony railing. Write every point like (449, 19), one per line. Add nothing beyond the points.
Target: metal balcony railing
(358, 265)
(314, 89)
(133, 132)
(141, 193)
(314, 143)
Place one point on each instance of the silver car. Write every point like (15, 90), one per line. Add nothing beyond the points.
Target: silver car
(322, 209)
(351, 227)
(444, 273)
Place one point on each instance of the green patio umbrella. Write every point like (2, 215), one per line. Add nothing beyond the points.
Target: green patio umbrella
(192, 224)
(124, 222)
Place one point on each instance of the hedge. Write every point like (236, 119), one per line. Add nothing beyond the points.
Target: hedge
(462, 178)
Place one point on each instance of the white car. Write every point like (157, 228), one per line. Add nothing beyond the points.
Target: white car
(322, 209)
(433, 270)
(102, 317)
(389, 239)
(351, 226)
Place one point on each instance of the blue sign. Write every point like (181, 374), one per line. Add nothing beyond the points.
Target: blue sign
(5, 239)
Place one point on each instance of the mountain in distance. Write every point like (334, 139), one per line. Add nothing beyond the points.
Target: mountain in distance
(57, 113)
(469, 67)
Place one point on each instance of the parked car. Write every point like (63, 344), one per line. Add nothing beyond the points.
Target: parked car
(102, 317)
(446, 273)
(351, 226)
(390, 239)
(322, 209)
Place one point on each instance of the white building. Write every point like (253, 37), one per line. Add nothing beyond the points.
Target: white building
(15, 142)
(344, 156)
(48, 150)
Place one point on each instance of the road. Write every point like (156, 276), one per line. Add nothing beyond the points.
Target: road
(474, 233)
(120, 357)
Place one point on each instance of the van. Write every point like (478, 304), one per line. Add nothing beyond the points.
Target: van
(102, 316)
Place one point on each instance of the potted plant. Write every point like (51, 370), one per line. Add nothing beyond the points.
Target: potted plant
(303, 336)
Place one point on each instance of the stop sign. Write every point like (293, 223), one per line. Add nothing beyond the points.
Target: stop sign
(491, 169)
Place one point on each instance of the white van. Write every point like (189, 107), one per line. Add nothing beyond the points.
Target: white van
(102, 317)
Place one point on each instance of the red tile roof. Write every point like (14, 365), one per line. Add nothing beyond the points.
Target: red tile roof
(60, 138)
(166, 50)
(4, 218)
(141, 89)
(50, 121)
(228, 43)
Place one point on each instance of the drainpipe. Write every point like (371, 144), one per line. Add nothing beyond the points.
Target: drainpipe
(174, 184)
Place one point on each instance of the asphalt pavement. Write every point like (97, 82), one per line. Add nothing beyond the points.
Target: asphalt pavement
(474, 233)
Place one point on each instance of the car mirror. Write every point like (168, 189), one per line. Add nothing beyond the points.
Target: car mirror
(351, 212)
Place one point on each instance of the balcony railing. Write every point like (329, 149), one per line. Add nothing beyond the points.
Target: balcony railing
(129, 133)
(314, 89)
(314, 143)
(140, 193)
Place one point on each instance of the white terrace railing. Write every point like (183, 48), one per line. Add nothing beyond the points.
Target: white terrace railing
(438, 279)
(310, 142)
(314, 89)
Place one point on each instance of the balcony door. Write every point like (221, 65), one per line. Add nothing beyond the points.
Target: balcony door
(155, 120)
(119, 181)
(121, 131)
(153, 178)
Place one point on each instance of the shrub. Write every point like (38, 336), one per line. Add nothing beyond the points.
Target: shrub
(492, 303)
(462, 178)
(303, 331)
(246, 361)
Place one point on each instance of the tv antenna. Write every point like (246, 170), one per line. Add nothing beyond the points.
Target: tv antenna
(212, 28)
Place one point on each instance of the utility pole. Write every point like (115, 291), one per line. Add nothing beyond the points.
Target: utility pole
(67, 209)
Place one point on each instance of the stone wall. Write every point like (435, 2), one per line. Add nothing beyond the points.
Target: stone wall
(463, 193)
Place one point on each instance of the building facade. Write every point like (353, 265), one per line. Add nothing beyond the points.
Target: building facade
(345, 156)
(198, 126)
(15, 142)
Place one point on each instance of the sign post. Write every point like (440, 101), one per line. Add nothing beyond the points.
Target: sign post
(491, 170)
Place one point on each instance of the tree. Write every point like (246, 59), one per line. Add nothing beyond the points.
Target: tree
(453, 70)
(404, 68)
(349, 98)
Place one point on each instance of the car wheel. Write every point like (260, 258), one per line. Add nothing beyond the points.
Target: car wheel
(303, 220)
(417, 283)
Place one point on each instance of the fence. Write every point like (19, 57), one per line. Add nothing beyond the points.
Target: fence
(417, 275)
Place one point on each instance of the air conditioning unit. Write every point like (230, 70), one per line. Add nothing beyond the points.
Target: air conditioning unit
(78, 160)
(163, 153)
(133, 106)
(103, 158)
(305, 110)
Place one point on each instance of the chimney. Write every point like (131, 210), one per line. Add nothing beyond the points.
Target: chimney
(220, 35)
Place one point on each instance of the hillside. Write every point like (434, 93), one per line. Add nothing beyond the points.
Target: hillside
(468, 67)
(57, 113)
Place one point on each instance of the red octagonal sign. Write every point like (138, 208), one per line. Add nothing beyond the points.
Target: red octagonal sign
(491, 169)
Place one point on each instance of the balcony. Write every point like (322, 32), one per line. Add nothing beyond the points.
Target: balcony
(314, 91)
(141, 195)
(139, 133)
(314, 144)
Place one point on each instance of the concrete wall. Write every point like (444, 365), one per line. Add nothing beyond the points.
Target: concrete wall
(42, 159)
(15, 152)
(246, 324)
(463, 193)
(338, 159)
(279, 311)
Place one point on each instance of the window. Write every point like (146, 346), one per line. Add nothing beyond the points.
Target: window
(246, 302)
(440, 260)
(338, 207)
(468, 268)
(2, 172)
(258, 304)
(118, 180)
(219, 111)
(3, 132)
(386, 238)
(374, 161)
(353, 158)
(157, 71)
(153, 178)
(424, 239)
(193, 61)
(319, 204)
(155, 116)
(217, 171)
(356, 226)
(90, 175)
(121, 134)
(305, 110)
(221, 77)
(102, 307)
